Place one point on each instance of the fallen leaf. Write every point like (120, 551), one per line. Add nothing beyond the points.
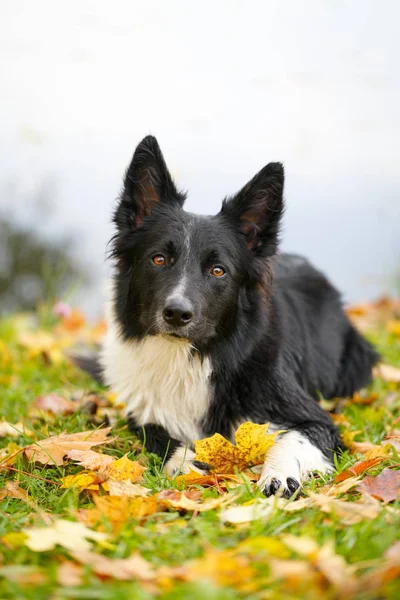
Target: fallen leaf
(358, 468)
(260, 509)
(24, 575)
(387, 373)
(349, 513)
(125, 488)
(394, 440)
(68, 534)
(70, 574)
(252, 443)
(12, 490)
(117, 510)
(302, 545)
(365, 400)
(94, 461)
(385, 486)
(81, 481)
(340, 488)
(335, 569)
(393, 327)
(124, 469)
(191, 500)
(125, 569)
(54, 404)
(53, 449)
(16, 430)
(224, 568)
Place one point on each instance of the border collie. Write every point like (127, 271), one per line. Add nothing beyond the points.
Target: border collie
(208, 326)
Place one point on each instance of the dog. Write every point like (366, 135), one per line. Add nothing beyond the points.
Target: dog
(210, 326)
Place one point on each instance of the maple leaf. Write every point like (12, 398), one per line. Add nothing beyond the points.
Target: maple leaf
(13, 430)
(125, 488)
(191, 500)
(54, 404)
(53, 449)
(125, 569)
(252, 443)
(68, 534)
(94, 461)
(117, 510)
(385, 486)
(125, 469)
(81, 481)
(358, 468)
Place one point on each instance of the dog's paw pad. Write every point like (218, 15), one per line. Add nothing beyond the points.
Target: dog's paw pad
(275, 486)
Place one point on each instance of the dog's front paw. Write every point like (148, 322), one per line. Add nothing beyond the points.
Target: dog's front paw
(183, 461)
(272, 485)
(289, 462)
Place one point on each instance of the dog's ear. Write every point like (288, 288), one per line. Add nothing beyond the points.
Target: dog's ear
(147, 183)
(257, 209)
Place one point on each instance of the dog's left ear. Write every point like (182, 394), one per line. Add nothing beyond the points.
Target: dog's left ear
(147, 184)
(257, 209)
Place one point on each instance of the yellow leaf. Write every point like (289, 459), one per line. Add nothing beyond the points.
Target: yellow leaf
(191, 500)
(252, 442)
(225, 568)
(118, 510)
(70, 535)
(124, 469)
(394, 327)
(81, 481)
(15, 539)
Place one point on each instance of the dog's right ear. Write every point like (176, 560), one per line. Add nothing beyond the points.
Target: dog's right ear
(147, 183)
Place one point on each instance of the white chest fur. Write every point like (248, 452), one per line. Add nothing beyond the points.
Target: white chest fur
(160, 380)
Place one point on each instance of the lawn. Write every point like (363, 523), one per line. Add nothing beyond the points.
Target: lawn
(76, 521)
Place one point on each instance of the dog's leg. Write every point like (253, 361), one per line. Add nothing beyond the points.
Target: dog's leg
(177, 456)
(289, 462)
(308, 444)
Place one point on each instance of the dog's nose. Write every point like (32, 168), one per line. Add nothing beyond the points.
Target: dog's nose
(178, 312)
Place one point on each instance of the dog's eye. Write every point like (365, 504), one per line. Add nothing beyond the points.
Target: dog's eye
(218, 271)
(158, 260)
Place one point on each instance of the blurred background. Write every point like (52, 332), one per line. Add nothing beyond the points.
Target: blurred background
(226, 86)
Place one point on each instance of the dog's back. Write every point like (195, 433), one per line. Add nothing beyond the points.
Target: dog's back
(328, 356)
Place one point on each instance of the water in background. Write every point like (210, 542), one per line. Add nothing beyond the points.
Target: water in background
(226, 87)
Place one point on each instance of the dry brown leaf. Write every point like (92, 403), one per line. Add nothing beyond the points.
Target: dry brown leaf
(70, 574)
(68, 534)
(13, 430)
(117, 510)
(340, 488)
(358, 468)
(53, 449)
(252, 443)
(125, 488)
(349, 513)
(387, 373)
(94, 461)
(191, 500)
(385, 486)
(54, 404)
(12, 490)
(125, 569)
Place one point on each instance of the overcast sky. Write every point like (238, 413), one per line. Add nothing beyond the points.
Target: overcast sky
(226, 87)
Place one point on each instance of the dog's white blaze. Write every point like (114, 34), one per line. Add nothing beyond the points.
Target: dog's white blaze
(160, 380)
(292, 455)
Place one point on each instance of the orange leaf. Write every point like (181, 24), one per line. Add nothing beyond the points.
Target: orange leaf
(117, 510)
(358, 468)
(385, 486)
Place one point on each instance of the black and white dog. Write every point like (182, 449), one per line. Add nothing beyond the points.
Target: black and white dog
(209, 327)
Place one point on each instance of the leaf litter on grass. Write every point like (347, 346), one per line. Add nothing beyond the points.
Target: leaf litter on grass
(111, 511)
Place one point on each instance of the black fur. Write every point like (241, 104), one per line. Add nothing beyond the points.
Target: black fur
(272, 325)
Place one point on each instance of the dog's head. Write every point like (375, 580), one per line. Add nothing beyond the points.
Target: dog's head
(185, 275)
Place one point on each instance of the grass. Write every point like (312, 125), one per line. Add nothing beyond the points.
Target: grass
(175, 538)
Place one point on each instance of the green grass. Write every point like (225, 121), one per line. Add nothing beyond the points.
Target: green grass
(172, 538)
